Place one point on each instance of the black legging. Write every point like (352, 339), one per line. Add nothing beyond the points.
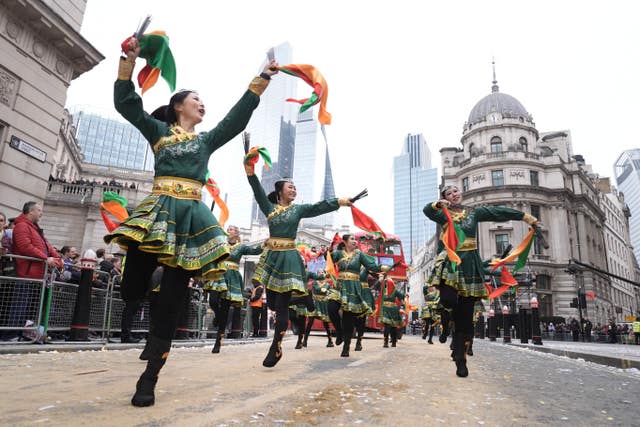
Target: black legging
(220, 307)
(360, 321)
(169, 301)
(333, 307)
(279, 302)
(463, 315)
(348, 322)
(390, 330)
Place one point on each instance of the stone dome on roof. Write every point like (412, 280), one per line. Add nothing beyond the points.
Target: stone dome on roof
(497, 102)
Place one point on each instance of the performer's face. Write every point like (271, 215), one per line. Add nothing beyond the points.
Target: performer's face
(288, 193)
(352, 243)
(453, 195)
(191, 109)
(234, 233)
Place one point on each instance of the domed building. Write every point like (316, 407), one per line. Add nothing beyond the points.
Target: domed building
(504, 160)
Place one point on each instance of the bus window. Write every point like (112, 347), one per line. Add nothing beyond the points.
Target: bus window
(392, 249)
(388, 261)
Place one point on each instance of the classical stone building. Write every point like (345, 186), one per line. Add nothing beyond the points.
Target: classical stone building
(504, 160)
(41, 51)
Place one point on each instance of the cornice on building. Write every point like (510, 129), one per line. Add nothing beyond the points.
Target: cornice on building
(41, 34)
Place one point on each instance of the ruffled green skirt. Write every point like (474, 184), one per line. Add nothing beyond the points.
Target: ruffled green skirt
(352, 299)
(391, 316)
(281, 271)
(322, 310)
(183, 233)
(467, 279)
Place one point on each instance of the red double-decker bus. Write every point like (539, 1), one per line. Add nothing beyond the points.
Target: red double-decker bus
(387, 252)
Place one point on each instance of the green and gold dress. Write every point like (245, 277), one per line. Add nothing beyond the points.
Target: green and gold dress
(231, 285)
(320, 288)
(468, 279)
(367, 296)
(390, 311)
(430, 306)
(352, 298)
(280, 268)
(173, 222)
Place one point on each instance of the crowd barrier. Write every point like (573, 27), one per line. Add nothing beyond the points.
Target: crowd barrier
(33, 309)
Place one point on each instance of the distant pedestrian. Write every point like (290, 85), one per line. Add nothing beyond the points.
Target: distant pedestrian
(587, 326)
(636, 330)
(613, 330)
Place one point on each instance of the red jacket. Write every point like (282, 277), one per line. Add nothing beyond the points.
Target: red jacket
(29, 240)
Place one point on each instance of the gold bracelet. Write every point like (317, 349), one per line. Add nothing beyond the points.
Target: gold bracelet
(125, 69)
(344, 201)
(258, 85)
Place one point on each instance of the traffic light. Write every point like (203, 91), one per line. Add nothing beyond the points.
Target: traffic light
(583, 300)
(574, 303)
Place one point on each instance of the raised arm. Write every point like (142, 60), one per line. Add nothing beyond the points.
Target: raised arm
(258, 192)
(248, 250)
(432, 212)
(500, 214)
(323, 207)
(237, 118)
(370, 263)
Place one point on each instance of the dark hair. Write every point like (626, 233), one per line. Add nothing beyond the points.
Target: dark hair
(167, 113)
(343, 244)
(28, 207)
(444, 190)
(273, 196)
(65, 249)
(100, 253)
(3, 215)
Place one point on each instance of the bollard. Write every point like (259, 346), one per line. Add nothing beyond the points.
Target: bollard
(493, 327)
(506, 325)
(536, 335)
(522, 325)
(82, 310)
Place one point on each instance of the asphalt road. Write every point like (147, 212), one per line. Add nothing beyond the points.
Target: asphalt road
(413, 384)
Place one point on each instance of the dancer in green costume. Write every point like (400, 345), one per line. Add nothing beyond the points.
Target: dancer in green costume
(172, 226)
(281, 269)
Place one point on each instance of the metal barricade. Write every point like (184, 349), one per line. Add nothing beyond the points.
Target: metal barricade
(21, 304)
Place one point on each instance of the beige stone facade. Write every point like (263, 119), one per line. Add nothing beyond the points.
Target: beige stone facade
(41, 51)
(504, 160)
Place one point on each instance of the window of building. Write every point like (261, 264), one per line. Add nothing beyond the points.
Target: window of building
(543, 282)
(471, 146)
(465, 184)
(502, 241)
(497, 178)
(523, 143)
(537, 247)
(496, 144)
(535, 211)
(545, 305)
(533, 176)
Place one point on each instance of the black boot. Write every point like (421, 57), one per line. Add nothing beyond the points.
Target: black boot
(338, 338)
(394, 337)
(299, 342)
(358, 344)
(345, 347)
(460, 344)
(125, 337)
(386, 342)
(304, 340)
(330, 342)
(470, 348)
(145, 353)
(158, 350)
(275, 352)
(218, 343)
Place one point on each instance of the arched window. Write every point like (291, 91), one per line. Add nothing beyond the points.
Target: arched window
(471, 146)
(496, 144)
(524, 144)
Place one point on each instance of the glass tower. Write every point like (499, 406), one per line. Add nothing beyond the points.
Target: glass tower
(312, 167)
(627, 172)
(107, 141)
(415, 183)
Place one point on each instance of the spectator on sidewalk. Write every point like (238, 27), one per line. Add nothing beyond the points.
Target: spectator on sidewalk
(29, 240)
(575, 329)
(69, 257)
(613, 331)
(636, 330)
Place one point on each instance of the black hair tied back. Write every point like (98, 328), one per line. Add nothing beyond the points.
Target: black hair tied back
(167, 113)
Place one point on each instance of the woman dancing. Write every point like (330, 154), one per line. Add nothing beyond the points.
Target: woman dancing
(172, 226)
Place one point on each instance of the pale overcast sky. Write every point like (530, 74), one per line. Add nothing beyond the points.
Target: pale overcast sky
(395, 68)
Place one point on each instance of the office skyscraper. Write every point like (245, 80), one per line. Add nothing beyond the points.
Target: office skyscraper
(415, 183)
(109, 142)
(272, 125)
(627, 172)
(312, 167)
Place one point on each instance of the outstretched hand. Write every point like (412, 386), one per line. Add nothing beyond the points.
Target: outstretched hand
(133, 49)
(271, 68)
